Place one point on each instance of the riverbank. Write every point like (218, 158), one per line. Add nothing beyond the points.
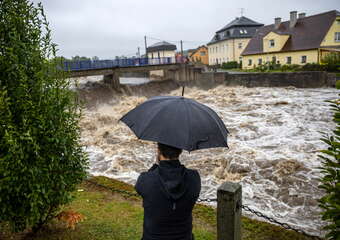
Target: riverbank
(112, 215)
(273, 145)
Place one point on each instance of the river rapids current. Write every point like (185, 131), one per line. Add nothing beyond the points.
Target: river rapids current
(273, 146)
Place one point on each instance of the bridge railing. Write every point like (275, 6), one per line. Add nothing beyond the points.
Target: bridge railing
(121, 62)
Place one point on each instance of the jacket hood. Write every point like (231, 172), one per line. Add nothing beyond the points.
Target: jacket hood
(172, 176)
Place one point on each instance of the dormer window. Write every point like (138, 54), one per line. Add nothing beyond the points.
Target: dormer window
(272, 43)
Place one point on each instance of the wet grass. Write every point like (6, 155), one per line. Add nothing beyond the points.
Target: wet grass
(112, 215)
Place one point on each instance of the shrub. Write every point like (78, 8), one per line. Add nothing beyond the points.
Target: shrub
(332, 62)
(330, 182)
(337, 84)
(230, 65)
(41, 159)
(290, 67)
(313, 67)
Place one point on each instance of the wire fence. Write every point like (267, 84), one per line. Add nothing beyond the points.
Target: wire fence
(209, 200)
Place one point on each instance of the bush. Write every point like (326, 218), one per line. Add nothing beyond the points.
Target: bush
(41, 159)
(330, 182)
(332, 62)
(313, 67)
(230, 65)
(290, 67)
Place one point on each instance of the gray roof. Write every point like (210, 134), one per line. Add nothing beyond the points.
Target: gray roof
(161, 46)
(242, 27)
(241, 22)
(308, 33)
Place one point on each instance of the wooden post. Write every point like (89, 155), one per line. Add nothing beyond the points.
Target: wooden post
(229, 211)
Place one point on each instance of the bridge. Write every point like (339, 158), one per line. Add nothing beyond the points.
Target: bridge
(173, 68)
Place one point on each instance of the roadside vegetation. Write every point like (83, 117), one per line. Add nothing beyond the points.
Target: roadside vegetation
(111, 215)
(331, 63)
(41, 159)
(330, 182)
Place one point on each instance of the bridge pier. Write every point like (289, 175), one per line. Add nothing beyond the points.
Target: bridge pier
(112, 80)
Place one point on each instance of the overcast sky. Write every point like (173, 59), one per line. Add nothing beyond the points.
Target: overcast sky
(109, 28)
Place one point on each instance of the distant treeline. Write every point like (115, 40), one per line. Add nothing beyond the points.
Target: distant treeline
(76, 58)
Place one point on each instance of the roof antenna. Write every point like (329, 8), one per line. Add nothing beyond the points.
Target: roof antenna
(241, 11)
(183, 91)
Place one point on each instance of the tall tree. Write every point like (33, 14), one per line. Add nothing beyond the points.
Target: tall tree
(41, 159)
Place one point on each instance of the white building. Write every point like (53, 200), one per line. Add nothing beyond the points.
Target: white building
(161, 50)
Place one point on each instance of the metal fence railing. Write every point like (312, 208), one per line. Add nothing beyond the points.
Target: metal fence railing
(119, 62)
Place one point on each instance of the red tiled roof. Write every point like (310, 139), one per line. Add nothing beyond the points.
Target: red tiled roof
(308, 33)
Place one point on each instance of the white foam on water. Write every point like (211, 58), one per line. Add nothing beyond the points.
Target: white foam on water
(274, 139)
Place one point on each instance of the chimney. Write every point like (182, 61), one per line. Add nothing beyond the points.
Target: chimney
(302, 15)
(277, 22)
(293, 19)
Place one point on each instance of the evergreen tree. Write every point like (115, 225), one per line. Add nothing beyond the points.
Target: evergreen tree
(41, 159)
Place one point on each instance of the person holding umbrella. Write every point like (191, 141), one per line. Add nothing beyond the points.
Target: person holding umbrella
(170, 190)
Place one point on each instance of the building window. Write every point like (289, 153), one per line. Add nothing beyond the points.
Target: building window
(250, 62)
(289, 60)
(202, 53)
(240, 45)
(260, 61)
(272, 43)
(337, 37)
(303, 59)
(216, 49)
(338, 21)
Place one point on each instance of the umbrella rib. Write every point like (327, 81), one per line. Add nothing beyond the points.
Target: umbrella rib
(188, 123)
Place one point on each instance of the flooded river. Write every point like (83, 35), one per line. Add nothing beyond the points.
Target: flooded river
(274, 139)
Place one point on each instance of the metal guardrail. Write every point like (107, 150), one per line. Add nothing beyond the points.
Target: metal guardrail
(245, 207)
(121, 62)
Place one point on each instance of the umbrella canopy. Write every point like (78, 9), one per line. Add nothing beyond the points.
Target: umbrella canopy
(177, 121)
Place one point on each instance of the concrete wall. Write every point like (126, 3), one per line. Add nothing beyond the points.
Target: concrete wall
(296, 79)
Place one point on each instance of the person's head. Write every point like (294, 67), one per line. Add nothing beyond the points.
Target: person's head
(168, 152)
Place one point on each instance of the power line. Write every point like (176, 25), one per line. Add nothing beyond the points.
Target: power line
(177, 41)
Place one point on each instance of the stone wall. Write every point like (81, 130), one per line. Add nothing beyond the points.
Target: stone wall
(296, 79)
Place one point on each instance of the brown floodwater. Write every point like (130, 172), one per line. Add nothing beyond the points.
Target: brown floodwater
(273, 144)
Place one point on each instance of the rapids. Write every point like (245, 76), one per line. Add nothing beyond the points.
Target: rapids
(273, 144)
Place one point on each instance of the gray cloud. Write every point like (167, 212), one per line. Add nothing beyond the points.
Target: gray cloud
(107, 28)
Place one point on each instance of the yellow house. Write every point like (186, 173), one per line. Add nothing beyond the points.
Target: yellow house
(200, 55)
(300, 40)
(230, 41)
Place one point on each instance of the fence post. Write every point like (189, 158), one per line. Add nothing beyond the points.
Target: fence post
(229, 211)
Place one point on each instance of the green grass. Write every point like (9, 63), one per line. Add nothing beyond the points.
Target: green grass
(111, 215)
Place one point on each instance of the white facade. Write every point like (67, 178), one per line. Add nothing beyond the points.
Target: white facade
(161, 54)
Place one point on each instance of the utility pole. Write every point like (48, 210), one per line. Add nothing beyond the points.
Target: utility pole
(139, 52)
(146, 48)
(182, 51)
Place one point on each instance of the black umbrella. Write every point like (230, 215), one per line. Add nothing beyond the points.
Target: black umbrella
(177, 121)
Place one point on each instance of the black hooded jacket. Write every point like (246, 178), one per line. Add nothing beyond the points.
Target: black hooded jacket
(169, 192)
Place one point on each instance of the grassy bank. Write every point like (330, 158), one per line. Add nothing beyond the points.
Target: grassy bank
(111, 215)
